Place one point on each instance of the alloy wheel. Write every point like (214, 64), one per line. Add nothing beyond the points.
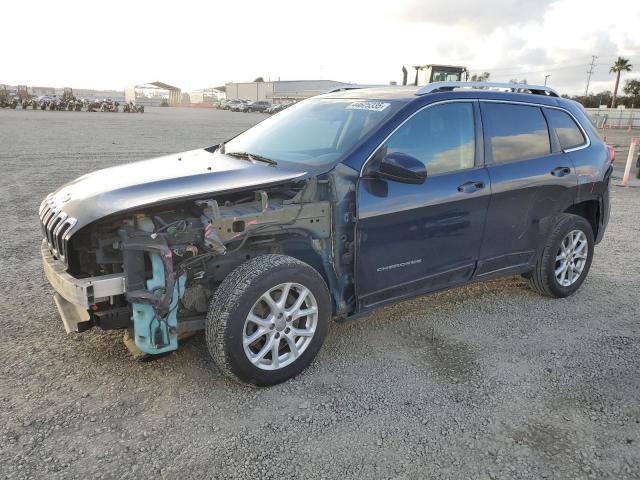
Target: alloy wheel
(280, 326)
(571, 258)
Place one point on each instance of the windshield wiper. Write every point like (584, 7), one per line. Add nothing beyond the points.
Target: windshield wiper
(252, 157)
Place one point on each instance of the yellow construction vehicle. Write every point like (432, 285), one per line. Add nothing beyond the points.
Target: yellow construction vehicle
(435, 73)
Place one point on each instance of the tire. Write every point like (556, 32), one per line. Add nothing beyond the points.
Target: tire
(543, 278)
(242, 292)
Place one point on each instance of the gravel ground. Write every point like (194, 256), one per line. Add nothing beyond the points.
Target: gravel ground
(483, 382)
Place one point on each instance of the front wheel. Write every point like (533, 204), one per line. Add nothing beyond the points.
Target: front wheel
(566, 258)
(268, 320)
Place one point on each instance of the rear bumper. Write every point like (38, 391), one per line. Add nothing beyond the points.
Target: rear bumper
(82, 292)
(605, 211)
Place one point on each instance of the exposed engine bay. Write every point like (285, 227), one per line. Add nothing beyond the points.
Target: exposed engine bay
(174, 256)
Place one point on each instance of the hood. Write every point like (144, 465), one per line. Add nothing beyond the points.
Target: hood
(159, 180)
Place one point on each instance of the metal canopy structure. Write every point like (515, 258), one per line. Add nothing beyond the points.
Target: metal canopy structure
(174, 92)
(162, 85)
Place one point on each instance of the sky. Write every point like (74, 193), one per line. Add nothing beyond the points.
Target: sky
(196, 44)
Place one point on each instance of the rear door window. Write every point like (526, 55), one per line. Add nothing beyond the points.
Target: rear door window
(569, 134)
(515, 132)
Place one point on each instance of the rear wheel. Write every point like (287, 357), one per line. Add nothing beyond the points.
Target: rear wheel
(268, 320)
(566, 258)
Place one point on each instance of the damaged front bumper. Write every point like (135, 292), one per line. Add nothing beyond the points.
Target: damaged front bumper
(74, 296)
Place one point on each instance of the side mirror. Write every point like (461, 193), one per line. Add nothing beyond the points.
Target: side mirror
(402, 168)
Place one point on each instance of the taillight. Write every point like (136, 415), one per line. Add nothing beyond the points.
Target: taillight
(612, 153)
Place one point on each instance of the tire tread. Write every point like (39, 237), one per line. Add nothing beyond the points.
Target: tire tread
(226, 301)
(538, 279)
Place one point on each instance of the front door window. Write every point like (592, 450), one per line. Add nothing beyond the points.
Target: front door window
(442, 137)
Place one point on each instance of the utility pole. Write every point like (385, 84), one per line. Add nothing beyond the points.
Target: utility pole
(589, 73)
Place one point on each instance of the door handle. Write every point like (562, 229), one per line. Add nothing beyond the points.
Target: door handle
(470, 187)
(560, 171)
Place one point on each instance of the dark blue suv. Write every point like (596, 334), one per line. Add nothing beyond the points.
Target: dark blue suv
(336, 206)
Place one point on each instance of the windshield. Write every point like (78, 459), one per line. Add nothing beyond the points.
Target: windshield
(315, 131)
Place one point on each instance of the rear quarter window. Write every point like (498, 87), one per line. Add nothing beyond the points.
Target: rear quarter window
(569, 134)
(515, 132)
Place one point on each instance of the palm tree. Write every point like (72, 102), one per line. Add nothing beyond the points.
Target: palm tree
(619, 66)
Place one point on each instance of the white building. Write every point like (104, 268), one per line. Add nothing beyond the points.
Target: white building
(279, 91)
(206, 95)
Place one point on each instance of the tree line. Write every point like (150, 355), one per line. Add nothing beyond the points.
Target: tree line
(630, 99)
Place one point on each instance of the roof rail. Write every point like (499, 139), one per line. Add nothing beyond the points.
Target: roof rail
(352, 86)
(514, 87)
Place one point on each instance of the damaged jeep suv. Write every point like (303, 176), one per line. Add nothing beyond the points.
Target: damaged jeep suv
(336, 206)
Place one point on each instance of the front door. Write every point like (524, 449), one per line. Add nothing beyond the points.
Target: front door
(417, 238)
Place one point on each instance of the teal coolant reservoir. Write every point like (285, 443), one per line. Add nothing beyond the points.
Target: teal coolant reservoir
(152, 334)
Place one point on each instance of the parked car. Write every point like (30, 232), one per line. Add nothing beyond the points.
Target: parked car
(271, 109)
(259, 106)
(277, 107)
(47, 98)
(233, 105)
(225, 104)
(240, 106)
(341, 204)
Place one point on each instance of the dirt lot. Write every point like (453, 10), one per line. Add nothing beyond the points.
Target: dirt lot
(484, 382)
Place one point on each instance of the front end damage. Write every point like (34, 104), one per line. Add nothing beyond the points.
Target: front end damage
(153, 270)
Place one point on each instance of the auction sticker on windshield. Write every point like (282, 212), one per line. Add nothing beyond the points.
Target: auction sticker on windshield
(374, 106)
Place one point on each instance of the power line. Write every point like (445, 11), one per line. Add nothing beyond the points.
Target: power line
(530, 72)
(500, 70)
(589, 73)
(500, 73)
(548, 68)
(496, 69)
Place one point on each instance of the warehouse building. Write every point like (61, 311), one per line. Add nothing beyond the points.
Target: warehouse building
(279, 91)
(206, 95)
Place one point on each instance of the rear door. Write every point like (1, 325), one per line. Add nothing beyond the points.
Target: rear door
(417, 238)
(532, 180)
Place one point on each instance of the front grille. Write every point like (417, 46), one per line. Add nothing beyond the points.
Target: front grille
(56, 226)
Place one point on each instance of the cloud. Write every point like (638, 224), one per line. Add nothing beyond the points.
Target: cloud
(533, 51)
(530, 56)
(473, 14)
(364, 41)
